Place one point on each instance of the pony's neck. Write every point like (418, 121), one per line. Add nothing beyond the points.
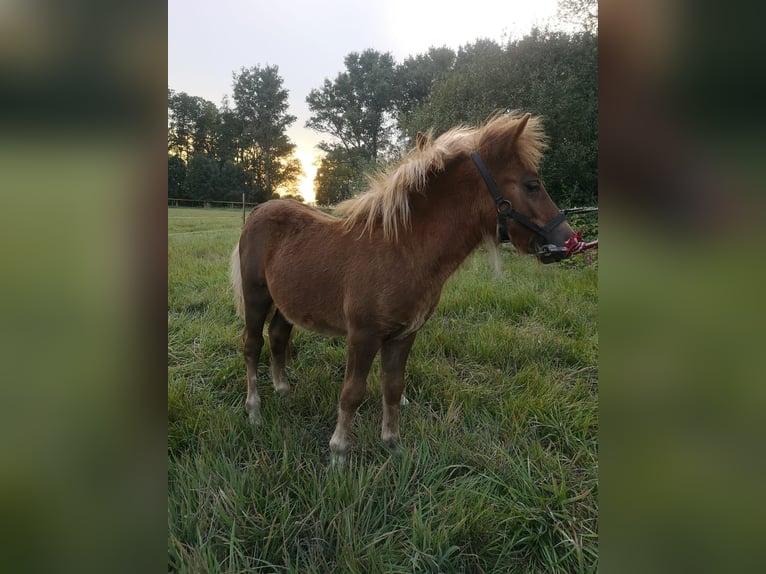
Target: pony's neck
(450, 221)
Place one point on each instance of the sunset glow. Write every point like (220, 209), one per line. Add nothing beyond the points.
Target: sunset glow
(306, 182)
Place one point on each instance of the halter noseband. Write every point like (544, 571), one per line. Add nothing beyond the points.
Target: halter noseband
(505, 209)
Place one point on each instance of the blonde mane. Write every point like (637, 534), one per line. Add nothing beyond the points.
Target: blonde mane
(387, 201)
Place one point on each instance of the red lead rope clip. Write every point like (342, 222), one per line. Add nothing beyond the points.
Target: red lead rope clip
(575, 244)
(572, 246)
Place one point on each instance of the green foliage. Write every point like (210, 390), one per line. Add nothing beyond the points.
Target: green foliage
(206, 129)
(341, 175)
(233, 179)
(417, 75)
(499, 464)
(261, 105)
(185, 121)
(467, 93)
(583, 14)
(375, 107)
(547, 73)
(176, 177)
(229, 141)
(248, 144)
(357, 108)
(202, 178)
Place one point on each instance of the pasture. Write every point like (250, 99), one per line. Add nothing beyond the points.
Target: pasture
(499, 464)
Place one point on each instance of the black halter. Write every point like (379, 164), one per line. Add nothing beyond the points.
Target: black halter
(505, 209)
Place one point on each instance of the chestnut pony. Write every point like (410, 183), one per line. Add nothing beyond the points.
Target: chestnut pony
(376, 275)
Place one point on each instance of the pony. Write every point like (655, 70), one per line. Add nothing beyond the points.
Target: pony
(375, 274)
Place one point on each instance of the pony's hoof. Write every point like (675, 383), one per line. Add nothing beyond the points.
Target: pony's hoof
(284, 392)
(255, 418)
(403, 401)
(393, 447)
(338, 458)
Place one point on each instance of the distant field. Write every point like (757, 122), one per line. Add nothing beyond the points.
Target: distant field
(499, 466)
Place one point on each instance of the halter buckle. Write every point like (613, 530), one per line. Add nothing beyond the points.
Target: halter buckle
(504, 207)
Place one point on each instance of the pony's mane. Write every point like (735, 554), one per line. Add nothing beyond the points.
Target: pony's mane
(387, 201)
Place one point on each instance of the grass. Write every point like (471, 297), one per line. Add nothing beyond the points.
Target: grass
(498, 470)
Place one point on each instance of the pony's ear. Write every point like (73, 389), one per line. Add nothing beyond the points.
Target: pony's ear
(520, 128)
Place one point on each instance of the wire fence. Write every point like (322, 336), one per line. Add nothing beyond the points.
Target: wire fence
(181, 202)
(209, 203)
(580, 210)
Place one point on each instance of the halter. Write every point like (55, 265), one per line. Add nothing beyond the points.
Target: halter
(505, 209)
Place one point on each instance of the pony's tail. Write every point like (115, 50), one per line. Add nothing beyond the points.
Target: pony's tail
(235, 271)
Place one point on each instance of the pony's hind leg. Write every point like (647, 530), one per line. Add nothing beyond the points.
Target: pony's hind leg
(393, 358)
(279, 340)
(256, 309)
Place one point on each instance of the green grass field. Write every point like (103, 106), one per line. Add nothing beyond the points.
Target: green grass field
(499, 466)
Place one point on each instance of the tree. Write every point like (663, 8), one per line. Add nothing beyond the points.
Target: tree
(468, 93)
(581, 13)
(358, 107)
(192, 124)
(228, 141)
(261, 106)
(202, 178)
(206, 128)
(339, 176)
(547, 73)
(219, 153)
(232, 181)
(417, 75)
(176, 177)
(415, 78)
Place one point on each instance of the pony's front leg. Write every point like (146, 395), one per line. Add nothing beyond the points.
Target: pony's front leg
(361, 352)
(393, 358)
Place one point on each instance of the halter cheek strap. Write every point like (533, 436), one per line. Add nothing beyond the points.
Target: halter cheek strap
(505, 209)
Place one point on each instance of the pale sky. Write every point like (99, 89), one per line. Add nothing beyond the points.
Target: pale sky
(208, 40)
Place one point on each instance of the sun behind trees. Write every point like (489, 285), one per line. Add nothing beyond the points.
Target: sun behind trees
(372, 110)
(216, 154)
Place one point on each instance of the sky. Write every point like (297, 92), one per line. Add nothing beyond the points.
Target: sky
(308, 40)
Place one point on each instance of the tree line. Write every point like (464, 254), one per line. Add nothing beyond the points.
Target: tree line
(372, 110)
(217, 153)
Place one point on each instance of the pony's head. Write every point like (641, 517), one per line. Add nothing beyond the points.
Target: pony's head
(509, 147)
(507, 158)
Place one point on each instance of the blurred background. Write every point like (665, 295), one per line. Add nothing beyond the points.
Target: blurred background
(681, 400)
(83, 285)
(83, 133)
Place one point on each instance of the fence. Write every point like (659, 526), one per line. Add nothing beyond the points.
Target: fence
(180, 202)
(177, 201)
(203, 203)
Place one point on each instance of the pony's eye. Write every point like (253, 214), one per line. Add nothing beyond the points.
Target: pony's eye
(533, 185)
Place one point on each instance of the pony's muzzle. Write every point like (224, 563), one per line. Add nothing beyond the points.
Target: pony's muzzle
(550, 253)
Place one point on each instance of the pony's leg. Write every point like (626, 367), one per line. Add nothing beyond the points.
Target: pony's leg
(361, 352)
(279, 340)
(256, 311)
(393, 358)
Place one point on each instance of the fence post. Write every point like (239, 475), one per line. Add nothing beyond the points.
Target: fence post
(243, 208)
